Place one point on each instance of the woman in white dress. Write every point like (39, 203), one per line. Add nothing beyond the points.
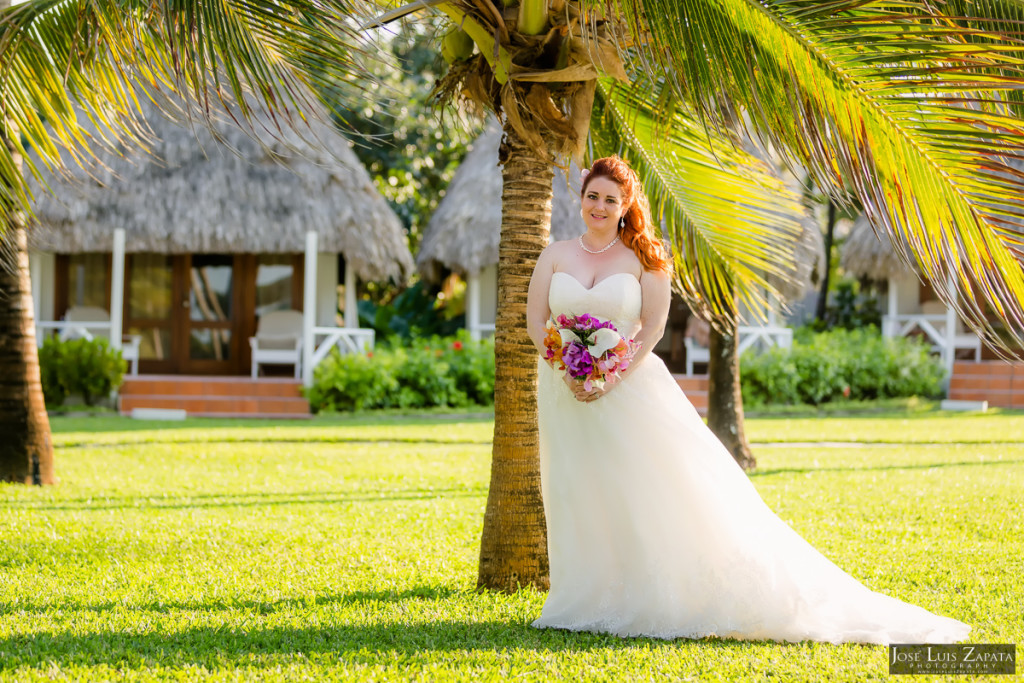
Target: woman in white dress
(653, 529)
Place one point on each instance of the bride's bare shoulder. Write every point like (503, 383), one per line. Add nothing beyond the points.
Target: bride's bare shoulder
(560, 246)
(556, 251)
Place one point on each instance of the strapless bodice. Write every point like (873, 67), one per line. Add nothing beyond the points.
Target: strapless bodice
(616, 298)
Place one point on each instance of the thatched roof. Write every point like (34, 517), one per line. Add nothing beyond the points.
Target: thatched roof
(809, 258)
(463, 233)
(220, 191)
(865, 255)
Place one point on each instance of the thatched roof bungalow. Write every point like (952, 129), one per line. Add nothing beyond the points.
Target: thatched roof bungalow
(912, 306)
(213, 228)
(462, 235)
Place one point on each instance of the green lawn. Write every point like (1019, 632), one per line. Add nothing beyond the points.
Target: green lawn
(345, 548)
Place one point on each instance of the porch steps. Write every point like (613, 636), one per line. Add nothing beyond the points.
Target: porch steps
(696, 389)
(266, 397)
(995, 381)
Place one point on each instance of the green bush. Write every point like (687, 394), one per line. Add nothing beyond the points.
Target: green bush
(89, 368)
(437, 371)
(840, 364)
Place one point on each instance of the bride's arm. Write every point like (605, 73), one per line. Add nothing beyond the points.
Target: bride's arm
(657, 297)
(537, 310)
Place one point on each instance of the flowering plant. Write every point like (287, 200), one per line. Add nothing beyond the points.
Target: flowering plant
(588, 348)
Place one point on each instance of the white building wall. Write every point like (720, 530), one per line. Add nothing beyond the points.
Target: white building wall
(908, 290)
(489, 295)
(326, 289)
(42, 268)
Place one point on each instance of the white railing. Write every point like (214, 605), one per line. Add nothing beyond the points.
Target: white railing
(70, 328)
(769, 335)
(933, 326)
(481, 330)
(749, 335)
(348, 339)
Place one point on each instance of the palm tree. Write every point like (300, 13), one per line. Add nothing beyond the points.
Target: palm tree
(60, 59)
(912, 107)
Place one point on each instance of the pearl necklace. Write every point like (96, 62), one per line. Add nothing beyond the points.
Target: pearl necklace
(599, 251)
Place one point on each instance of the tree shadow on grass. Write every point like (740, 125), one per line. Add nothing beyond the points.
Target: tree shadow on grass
(876, 468)
(375, 643)
(242, 500)
(270, 440)
(307, 602)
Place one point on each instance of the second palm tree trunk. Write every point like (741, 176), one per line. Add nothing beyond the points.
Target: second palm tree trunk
(725, 399)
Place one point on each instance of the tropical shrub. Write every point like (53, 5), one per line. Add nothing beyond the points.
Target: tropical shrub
(840, 364)
(89, 368)
(437, 371)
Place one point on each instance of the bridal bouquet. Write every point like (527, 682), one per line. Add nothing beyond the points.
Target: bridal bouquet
(588, 348)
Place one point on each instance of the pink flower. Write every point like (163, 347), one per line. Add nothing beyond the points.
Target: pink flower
(457, 345)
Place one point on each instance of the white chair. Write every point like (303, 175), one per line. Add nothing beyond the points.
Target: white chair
(278, 341)
(695, 353)
(83, 315)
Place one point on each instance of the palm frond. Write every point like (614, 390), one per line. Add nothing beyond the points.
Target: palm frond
(62, 59)
(732, 223)
(911, 105)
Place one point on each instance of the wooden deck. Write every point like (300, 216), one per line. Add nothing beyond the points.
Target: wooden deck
(201, 396)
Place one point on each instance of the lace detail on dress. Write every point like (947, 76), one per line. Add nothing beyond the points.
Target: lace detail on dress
(654, 530)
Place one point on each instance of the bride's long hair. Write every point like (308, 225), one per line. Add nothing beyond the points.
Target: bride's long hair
(638, 232)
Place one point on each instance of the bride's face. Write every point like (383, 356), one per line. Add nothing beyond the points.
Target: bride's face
(601, 206)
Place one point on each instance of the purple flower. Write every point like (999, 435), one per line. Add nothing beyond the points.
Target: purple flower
(578, 360)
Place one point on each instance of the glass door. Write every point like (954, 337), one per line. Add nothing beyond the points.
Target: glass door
(210, 310)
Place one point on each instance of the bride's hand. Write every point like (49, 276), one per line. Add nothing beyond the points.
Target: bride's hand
(584, 396)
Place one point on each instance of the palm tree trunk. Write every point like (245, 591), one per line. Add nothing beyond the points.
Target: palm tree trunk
(830, 230)
(26, 449)
(513, 547)
(725, 400)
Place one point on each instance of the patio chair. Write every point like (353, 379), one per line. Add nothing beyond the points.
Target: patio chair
(278, 341)
(695, 353)
(94, 314)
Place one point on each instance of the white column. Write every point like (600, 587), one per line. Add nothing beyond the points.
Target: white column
(473, 304)
(889, 330)
(35, 274)
(117, 289)
(950, 351)
(309, 308)
(351, 300)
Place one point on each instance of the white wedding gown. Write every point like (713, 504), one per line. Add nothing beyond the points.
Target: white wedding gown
(654, 530)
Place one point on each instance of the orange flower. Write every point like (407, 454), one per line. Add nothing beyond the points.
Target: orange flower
(553, 343)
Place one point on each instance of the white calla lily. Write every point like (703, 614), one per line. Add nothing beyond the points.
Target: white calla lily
(568, 336)
(602, 340)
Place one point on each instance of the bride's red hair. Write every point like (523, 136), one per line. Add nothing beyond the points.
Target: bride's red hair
(638, 233)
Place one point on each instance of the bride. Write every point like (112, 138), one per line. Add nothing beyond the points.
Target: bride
(653, 529)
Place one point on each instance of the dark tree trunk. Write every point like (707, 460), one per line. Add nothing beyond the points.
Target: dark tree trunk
(26, 449)
(513, 547)
(830, 229)
(725, 400)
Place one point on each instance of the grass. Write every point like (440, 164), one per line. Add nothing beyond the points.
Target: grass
(346, 548)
